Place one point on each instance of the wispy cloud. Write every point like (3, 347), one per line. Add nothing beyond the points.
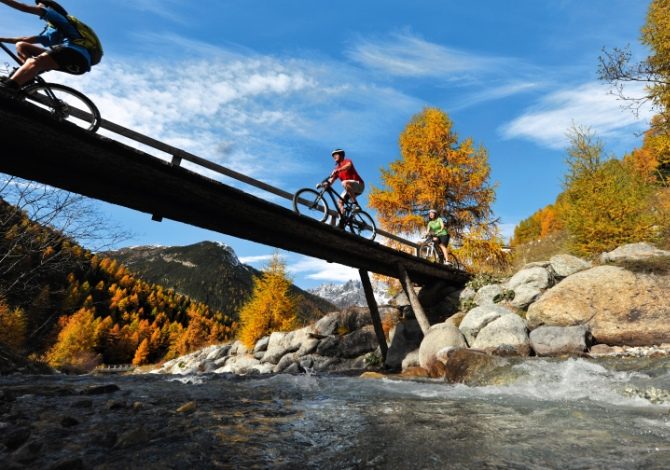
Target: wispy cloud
(164, 8)
(320, 270)
(407, 55)
(590, 104)
(242, 109)
(255, 259)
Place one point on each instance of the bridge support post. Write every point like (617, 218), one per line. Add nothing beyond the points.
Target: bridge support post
(374, 312)
(413, 299)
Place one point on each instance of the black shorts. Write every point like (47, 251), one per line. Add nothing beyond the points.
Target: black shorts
(69, 60)
(443, 239)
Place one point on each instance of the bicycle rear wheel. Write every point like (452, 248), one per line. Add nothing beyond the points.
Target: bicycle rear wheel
(310, 203)
(361, 224)
(453, 261)
(64, 104)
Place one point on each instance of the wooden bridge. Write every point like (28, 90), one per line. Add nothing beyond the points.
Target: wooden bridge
(36, 147)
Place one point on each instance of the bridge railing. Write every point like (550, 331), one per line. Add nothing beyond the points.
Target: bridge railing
(178, 155)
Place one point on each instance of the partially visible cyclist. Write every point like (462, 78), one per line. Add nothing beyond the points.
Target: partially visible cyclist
(351, 181)
(58, 47)
(438, 231)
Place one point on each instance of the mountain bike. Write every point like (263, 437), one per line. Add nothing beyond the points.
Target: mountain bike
(316, 207)
(430, 251)
(64, 103)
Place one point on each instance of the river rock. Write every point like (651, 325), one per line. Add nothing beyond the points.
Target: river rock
(406, 336)
(559, 341)
(262, 344)
(618, 306)
(528, 284)
(505, 336)
(470, 366)
(487, 294)
(567, 265)
(439, 337)
(479, 317)
(302, 341)
(327, 325)
(633, 252)
(411, 360)
(241, 364)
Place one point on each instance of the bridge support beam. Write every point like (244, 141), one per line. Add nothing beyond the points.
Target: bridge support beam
(374, 312)
(413, 299)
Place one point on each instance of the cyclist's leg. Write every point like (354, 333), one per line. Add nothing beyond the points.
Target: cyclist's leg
(353, 188)
(26, 50)
(442, 242)
(34, 66)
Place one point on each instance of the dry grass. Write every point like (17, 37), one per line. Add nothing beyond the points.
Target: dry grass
(540, 250)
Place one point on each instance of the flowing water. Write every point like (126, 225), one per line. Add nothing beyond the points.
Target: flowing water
(575, 414)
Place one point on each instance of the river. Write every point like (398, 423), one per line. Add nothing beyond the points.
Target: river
(573, 414)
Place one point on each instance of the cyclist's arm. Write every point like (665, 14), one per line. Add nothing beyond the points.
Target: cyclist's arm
(35, 10)
(30, 39)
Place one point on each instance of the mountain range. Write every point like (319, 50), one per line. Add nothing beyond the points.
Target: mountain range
(349, 294)
(209, 272)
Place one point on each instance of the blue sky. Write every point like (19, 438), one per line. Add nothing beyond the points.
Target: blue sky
(270, 87)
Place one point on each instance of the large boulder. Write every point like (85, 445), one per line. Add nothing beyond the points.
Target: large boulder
(567, 265)
(620, 307)
(478, 318)
(406, 337)
(633, 252)
(528, 284)
(559, 340)
(487, 294)
(470, 366)
(438, 337)
(302, 341)
(506, 336)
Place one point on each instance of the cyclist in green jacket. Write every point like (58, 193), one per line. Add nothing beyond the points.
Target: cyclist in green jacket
(438, 231)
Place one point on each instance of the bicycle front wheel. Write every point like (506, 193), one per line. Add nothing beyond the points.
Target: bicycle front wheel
(361, 224)
(310, 203)
(64, 104)
(429, 253)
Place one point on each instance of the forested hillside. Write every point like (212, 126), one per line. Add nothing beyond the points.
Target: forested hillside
(211, 273)
(73, 309)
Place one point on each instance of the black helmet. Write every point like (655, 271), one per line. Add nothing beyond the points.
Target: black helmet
(340, 151)
(52, 4)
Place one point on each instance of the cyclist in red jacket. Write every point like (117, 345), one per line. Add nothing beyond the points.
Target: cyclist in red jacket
(351, 181)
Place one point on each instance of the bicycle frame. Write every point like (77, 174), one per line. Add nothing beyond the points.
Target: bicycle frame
(326, 187)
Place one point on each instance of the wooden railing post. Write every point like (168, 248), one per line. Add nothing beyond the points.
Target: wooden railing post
(413, 299)
(374, 312)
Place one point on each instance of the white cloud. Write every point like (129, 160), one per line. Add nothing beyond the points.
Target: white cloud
(406, 55)
(590, 104)
(316, 269)
(255, 259)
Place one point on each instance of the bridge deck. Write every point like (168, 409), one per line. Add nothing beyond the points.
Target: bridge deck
(37, 148)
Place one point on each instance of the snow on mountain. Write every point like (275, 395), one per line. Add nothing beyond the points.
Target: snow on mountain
(349, 294)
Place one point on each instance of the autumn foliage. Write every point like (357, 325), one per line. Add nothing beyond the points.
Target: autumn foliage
(77, 310)
(272, 307)
(436, 170)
